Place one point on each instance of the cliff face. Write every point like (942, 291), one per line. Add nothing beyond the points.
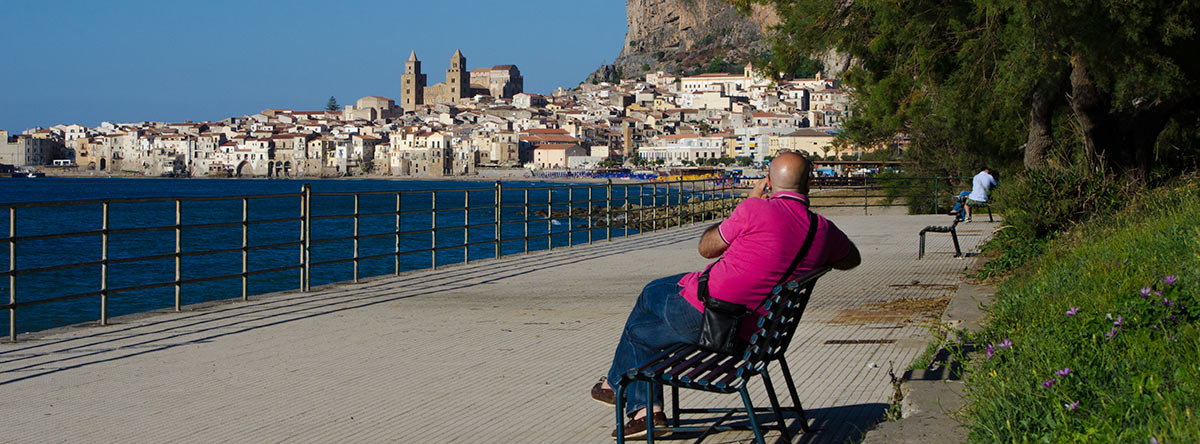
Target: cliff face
(687, 36)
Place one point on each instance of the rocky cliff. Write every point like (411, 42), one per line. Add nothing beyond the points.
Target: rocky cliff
(690, 36)
(686, 36)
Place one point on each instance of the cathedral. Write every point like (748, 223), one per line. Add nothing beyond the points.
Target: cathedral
(500, 81)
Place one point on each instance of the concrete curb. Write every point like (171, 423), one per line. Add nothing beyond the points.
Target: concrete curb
(933, 399)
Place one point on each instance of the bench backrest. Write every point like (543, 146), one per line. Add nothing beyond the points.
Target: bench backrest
(784, 307)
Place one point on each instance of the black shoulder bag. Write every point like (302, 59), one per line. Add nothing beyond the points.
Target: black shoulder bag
(723, 319)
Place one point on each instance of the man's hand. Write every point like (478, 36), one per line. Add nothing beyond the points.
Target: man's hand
(711, 243)
(760, 189)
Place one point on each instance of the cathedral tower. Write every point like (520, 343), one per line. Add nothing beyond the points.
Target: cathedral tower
(457, 77)
(413, 94)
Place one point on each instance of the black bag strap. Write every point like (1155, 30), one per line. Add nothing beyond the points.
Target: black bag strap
(702, 288)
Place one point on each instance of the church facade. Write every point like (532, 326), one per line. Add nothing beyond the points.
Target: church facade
(501, 81)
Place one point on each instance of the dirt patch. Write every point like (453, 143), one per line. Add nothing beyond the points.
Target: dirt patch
(910, 310)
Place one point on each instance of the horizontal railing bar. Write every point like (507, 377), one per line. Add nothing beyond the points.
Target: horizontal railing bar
(68, 297)
(393, 193)
(54, 236)
(144, 200)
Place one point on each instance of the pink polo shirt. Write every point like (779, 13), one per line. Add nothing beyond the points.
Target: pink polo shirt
(764, 236)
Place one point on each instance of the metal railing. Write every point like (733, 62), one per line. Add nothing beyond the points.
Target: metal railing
(488, 224)
(610, 210)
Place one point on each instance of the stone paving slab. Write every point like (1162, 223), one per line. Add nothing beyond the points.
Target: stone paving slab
(499, 351)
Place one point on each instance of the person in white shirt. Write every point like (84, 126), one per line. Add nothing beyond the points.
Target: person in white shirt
(980, 185)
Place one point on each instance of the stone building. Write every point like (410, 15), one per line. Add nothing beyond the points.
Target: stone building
(23, 149)
(498, 81)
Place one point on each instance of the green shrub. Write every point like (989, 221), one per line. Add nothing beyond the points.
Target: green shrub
(1042, 202)
(1129, 280)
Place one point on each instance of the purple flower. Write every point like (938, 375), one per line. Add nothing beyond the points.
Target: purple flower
(1158, 293)
(1118, 321)
(1005, 343)
(1049, 382)
(1169, 280)
(1145, 292)
(1154, 327)
(1072, 406)
(1153, 440)
(1072, 311)
(991, 350)
(1108, 336)
(1064, 372)
(1167, 302)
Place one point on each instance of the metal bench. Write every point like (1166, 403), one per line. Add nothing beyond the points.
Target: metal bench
(690, 367)
(952, 229)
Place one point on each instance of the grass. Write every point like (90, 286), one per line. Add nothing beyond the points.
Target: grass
(1124, 366)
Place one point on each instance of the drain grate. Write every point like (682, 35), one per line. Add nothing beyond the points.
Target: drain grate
(859, 341)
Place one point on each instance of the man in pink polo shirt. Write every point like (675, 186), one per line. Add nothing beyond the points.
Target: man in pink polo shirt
(756, 244)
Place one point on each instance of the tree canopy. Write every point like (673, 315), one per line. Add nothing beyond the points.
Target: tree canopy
(332, 104)
(1108, 84)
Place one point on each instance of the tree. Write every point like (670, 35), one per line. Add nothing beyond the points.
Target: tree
(332, 104)
(1005, 82)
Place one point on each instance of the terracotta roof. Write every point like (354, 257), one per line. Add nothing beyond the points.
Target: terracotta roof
(554, 146)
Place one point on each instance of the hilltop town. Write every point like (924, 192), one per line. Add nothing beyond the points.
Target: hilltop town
(478, 118)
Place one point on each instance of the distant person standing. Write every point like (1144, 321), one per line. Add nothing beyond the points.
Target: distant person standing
(981, 184)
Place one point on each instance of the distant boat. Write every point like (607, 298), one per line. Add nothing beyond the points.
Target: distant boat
(28, 173)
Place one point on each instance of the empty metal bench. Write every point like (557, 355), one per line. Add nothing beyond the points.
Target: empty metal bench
(690, 367)
(952, 229)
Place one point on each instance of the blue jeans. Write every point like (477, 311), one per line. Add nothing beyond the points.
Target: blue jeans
(660, 318)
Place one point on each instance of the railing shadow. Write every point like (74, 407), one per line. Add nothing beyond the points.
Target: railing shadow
(833, 425)
(282, 308)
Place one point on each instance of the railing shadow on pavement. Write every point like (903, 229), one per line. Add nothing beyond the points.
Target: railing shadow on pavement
(330, 299)
(835, 424)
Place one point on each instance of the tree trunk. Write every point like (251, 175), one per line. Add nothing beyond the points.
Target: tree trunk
(1091, 106)
(1041, 136)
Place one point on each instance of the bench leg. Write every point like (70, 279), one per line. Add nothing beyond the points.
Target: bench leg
(787, 377)
(954, 236)
(989, 207)
(787, 437)
(675, 406)
(649, 412)
(619, 391)
(758, 437)
(921, 251)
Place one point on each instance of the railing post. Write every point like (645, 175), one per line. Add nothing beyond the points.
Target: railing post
(499, 209)
(692, 202)
(355, 257)
(937, 196)
(654, 207)
(12, 273)
(570, 216)
(591, 218)
(433, 228)
(396, 257)
(306, 201)
(625, 212)
(178, 250)
(466, 226)
(104, 263)
(549, 218)
(245, 248)
(608, 212)
(866, 190)
(679, 209)
(525, 214)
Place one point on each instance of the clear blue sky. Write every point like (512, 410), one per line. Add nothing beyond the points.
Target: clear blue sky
(87, 61)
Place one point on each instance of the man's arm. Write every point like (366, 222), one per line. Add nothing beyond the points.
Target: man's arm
(711, 242)
(851, 260)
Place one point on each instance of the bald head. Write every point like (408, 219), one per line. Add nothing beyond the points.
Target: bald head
(789, 172)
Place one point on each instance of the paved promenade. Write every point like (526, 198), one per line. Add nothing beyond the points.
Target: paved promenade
(490, 352)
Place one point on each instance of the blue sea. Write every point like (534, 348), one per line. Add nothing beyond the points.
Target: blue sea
(453, 200)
